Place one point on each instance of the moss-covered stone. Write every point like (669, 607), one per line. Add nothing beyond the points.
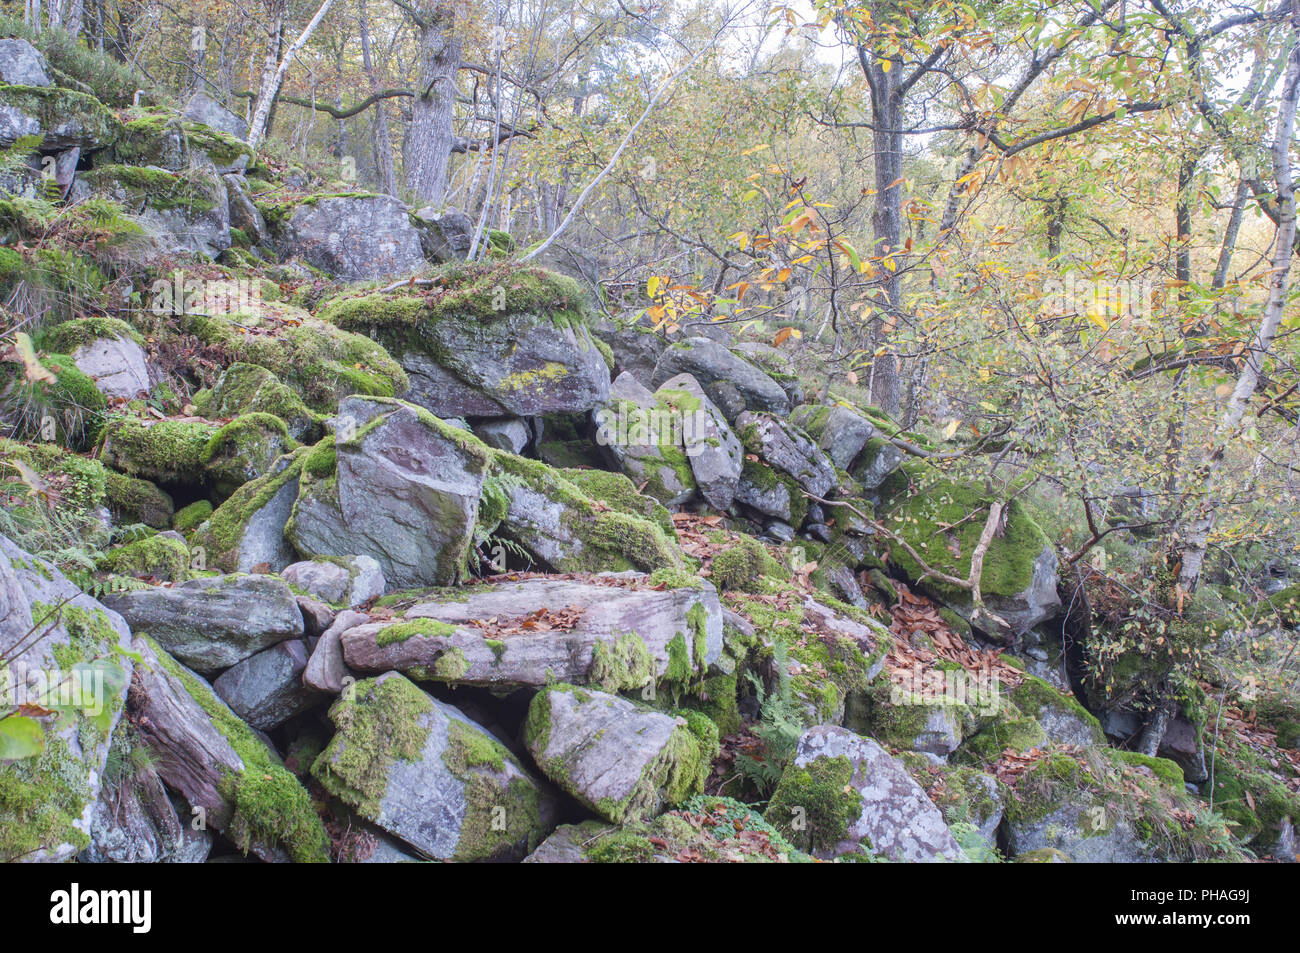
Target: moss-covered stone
(243, 450)
(192, 517)
(941, 520)
(270, 805)
(318, 360)
(164, 557)
(743, 567)
(166, 451)
(137, 501)
(813, 806)
(67, 336)
(248, 388)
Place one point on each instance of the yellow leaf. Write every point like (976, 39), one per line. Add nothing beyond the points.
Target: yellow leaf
(32, 367)
(652, 286)
(950, 431)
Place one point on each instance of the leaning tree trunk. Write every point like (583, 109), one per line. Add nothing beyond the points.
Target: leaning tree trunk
(1195, 533)
(273, 76)
(431, 136)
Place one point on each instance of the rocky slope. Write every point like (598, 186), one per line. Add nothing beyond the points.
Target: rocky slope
(399, 557)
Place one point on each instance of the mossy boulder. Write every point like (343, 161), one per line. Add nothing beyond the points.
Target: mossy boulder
(316, 359)
(1111, 807)
(925, 720)
(243, 450)
(107, 350)
(221, 766)
(618, 633)
(164, 557)
(598, 523)
(400, 758)
(68, 409)
(190, 518)
(64, 118)
(165, 451)
(942, 519)
(53, 767)
(964, 795)
(833, 652)
(618, 758)
(643, 433)
(137, 501)
(732, 382)
(249, 388)
(404, 490)
(159, 137)
(486, 340)
(844, 795)
(1063, 719)
(838, 428)
(185, 211)
(247, 530)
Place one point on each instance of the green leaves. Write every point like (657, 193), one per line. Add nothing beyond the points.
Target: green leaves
(20, 737)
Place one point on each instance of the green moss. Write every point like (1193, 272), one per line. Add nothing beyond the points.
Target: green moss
(467, 748)
(320, 362)
(617, 491)
(71, 403)
(269, 803)
(378, 722)
(1169, 773)
(621, 665)
(322, 461)
(40, 800)
(675, 579)
(162, 556)
(158, 188)
(66, 337)
(57, 107)
(681, 670)
(228, 522)
(81, 483)
(248, 388)
(464, 291)
(451, 665)
(1018, 734)
(922, 517)
(1033, 695)
(813, 806)
(192, 517)
(137, 501)
(170, 451)
(744, 567)
(401, 631)
(619, 533)
(243, 450)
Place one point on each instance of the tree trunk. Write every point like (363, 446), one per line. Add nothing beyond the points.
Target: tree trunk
(886, 224)
(1196, 532)
(383, 147)
(430, 138)
(272, 75)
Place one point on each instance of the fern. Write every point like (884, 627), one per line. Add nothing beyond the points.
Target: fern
(779, 726)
